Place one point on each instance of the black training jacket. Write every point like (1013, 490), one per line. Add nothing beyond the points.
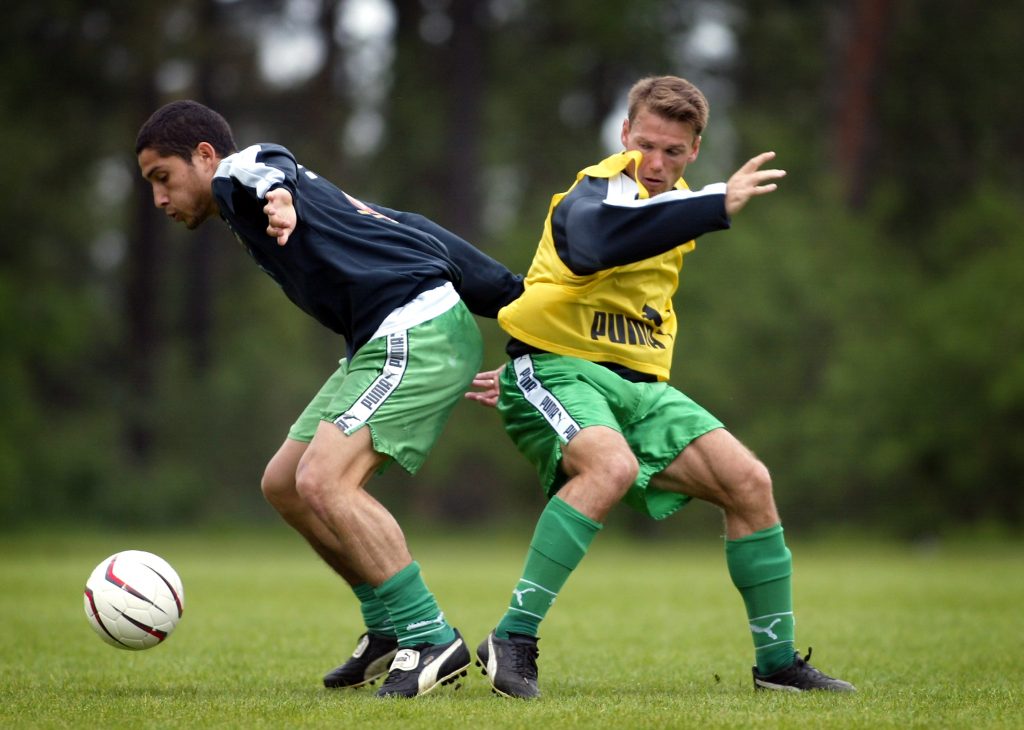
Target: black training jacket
(349, 264)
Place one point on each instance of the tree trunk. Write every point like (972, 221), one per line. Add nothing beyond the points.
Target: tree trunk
(141, 313)
(465, 59)
(863, 63)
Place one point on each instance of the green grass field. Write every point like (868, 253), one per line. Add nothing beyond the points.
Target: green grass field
(646, 635)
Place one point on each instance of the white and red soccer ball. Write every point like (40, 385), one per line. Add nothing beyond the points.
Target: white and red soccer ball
(134, 599)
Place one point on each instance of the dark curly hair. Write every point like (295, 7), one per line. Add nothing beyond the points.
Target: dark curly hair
(176, 128)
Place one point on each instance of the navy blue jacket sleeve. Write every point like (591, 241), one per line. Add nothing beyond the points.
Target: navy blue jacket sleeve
(487, 285)
(592, 231)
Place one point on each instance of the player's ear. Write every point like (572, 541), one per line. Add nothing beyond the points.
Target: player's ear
(205, 155)
(696, 149)
(624, 136)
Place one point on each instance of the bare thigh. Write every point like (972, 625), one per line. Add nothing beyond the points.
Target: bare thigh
(335, 463)
(717, 468)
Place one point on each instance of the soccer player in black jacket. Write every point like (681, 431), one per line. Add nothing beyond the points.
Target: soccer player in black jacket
(400, 289)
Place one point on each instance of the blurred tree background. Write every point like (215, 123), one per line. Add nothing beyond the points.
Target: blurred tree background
(862, 329)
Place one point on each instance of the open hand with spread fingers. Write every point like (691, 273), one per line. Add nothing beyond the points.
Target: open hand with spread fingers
(749, 181)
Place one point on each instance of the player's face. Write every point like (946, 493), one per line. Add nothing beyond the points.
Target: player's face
(181, 189)
(668, 147)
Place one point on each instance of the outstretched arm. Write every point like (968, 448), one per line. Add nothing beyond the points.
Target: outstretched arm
(281, 216)
(749, 181)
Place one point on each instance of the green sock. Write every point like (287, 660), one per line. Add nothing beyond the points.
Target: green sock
(761, 568)
(559, 543)
(416, 617)
(375, 614)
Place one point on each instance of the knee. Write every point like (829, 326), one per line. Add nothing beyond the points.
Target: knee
(321, 489)
(752, 491)
(308, 484)
(610, 472)
(278, 486)
(597, 485)
(621, 470)
(600, 454)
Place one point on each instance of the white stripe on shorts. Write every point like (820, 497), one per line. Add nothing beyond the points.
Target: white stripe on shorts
(543, 400)
(395, 363)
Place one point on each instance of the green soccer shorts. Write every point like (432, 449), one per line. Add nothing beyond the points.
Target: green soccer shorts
(547, 399)
(403, 386)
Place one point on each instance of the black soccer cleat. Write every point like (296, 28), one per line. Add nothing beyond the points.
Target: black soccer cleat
(418, 669)
(368, 663)
(510, 665)
(800, 677)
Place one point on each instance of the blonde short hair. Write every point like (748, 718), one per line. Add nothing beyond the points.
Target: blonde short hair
(672, 98)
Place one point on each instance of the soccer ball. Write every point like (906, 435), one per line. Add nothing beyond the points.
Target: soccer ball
(134, 599)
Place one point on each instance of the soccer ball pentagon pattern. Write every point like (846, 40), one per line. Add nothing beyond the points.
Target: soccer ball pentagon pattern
(134, 599)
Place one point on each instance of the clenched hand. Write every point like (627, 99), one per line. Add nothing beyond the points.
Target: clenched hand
(281, 216)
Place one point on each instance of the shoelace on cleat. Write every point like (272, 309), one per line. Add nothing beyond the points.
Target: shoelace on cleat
(804, 664)
(524, 659)
(393, 678)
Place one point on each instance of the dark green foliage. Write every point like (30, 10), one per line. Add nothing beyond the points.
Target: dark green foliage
(861, 329)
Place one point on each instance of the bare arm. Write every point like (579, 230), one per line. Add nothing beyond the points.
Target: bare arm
(749, 181)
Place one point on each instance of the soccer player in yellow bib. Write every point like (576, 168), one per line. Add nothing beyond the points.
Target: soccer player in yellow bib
(586, 398)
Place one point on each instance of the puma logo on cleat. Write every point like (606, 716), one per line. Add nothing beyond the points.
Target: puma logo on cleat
(364, 641)
(406, 660)
(433, 665)
(766, 629)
